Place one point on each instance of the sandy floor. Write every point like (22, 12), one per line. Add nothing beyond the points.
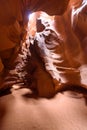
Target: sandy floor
(20, 111)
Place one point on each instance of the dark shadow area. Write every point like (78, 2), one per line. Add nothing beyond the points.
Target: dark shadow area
(5, 92)
(76, 92)
(33, 95)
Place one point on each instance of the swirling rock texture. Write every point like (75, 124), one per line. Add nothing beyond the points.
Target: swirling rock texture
(43, 57)
(57, 55)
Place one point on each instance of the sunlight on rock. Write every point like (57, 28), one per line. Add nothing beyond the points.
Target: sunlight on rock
(21, 91)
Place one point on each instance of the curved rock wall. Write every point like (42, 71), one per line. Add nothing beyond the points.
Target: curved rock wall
(13, 16)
